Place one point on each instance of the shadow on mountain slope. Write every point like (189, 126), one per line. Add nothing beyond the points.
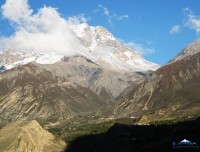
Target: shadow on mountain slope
(140, 138)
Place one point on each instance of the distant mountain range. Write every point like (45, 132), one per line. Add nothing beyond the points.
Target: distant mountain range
(104, 75)
(104, 80)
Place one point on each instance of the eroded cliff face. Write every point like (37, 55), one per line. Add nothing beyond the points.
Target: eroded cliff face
(171, 92)
(28, 136)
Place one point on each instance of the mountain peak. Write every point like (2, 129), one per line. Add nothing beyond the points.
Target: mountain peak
(190, 50)
(97, 44)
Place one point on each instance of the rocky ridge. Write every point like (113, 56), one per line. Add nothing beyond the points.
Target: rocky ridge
(171, 92)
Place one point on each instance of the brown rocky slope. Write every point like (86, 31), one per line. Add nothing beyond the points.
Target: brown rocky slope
(30, 92)
(171, 92)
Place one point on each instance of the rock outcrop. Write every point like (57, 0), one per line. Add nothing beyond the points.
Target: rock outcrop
(28, 136)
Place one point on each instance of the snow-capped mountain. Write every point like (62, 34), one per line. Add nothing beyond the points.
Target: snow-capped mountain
(56, 87)
(98, 45)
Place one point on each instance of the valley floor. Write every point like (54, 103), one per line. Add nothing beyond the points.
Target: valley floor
(140, 138)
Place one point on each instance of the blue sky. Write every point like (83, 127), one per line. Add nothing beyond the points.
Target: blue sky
(158, 29)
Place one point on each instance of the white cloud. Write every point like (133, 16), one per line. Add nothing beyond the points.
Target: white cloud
(193, 21)
(140, 48)
(16, 10)
(45, 31)
(78, 19)
(110, 16)
(105, 10)
(122, 17)
(175, 29)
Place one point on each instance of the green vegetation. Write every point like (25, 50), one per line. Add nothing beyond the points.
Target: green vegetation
(175, 120)
(55, 130)
(162, 122)
(71, 133)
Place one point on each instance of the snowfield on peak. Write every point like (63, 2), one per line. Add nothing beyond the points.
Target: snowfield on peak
(10, 59)
(98, 45)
